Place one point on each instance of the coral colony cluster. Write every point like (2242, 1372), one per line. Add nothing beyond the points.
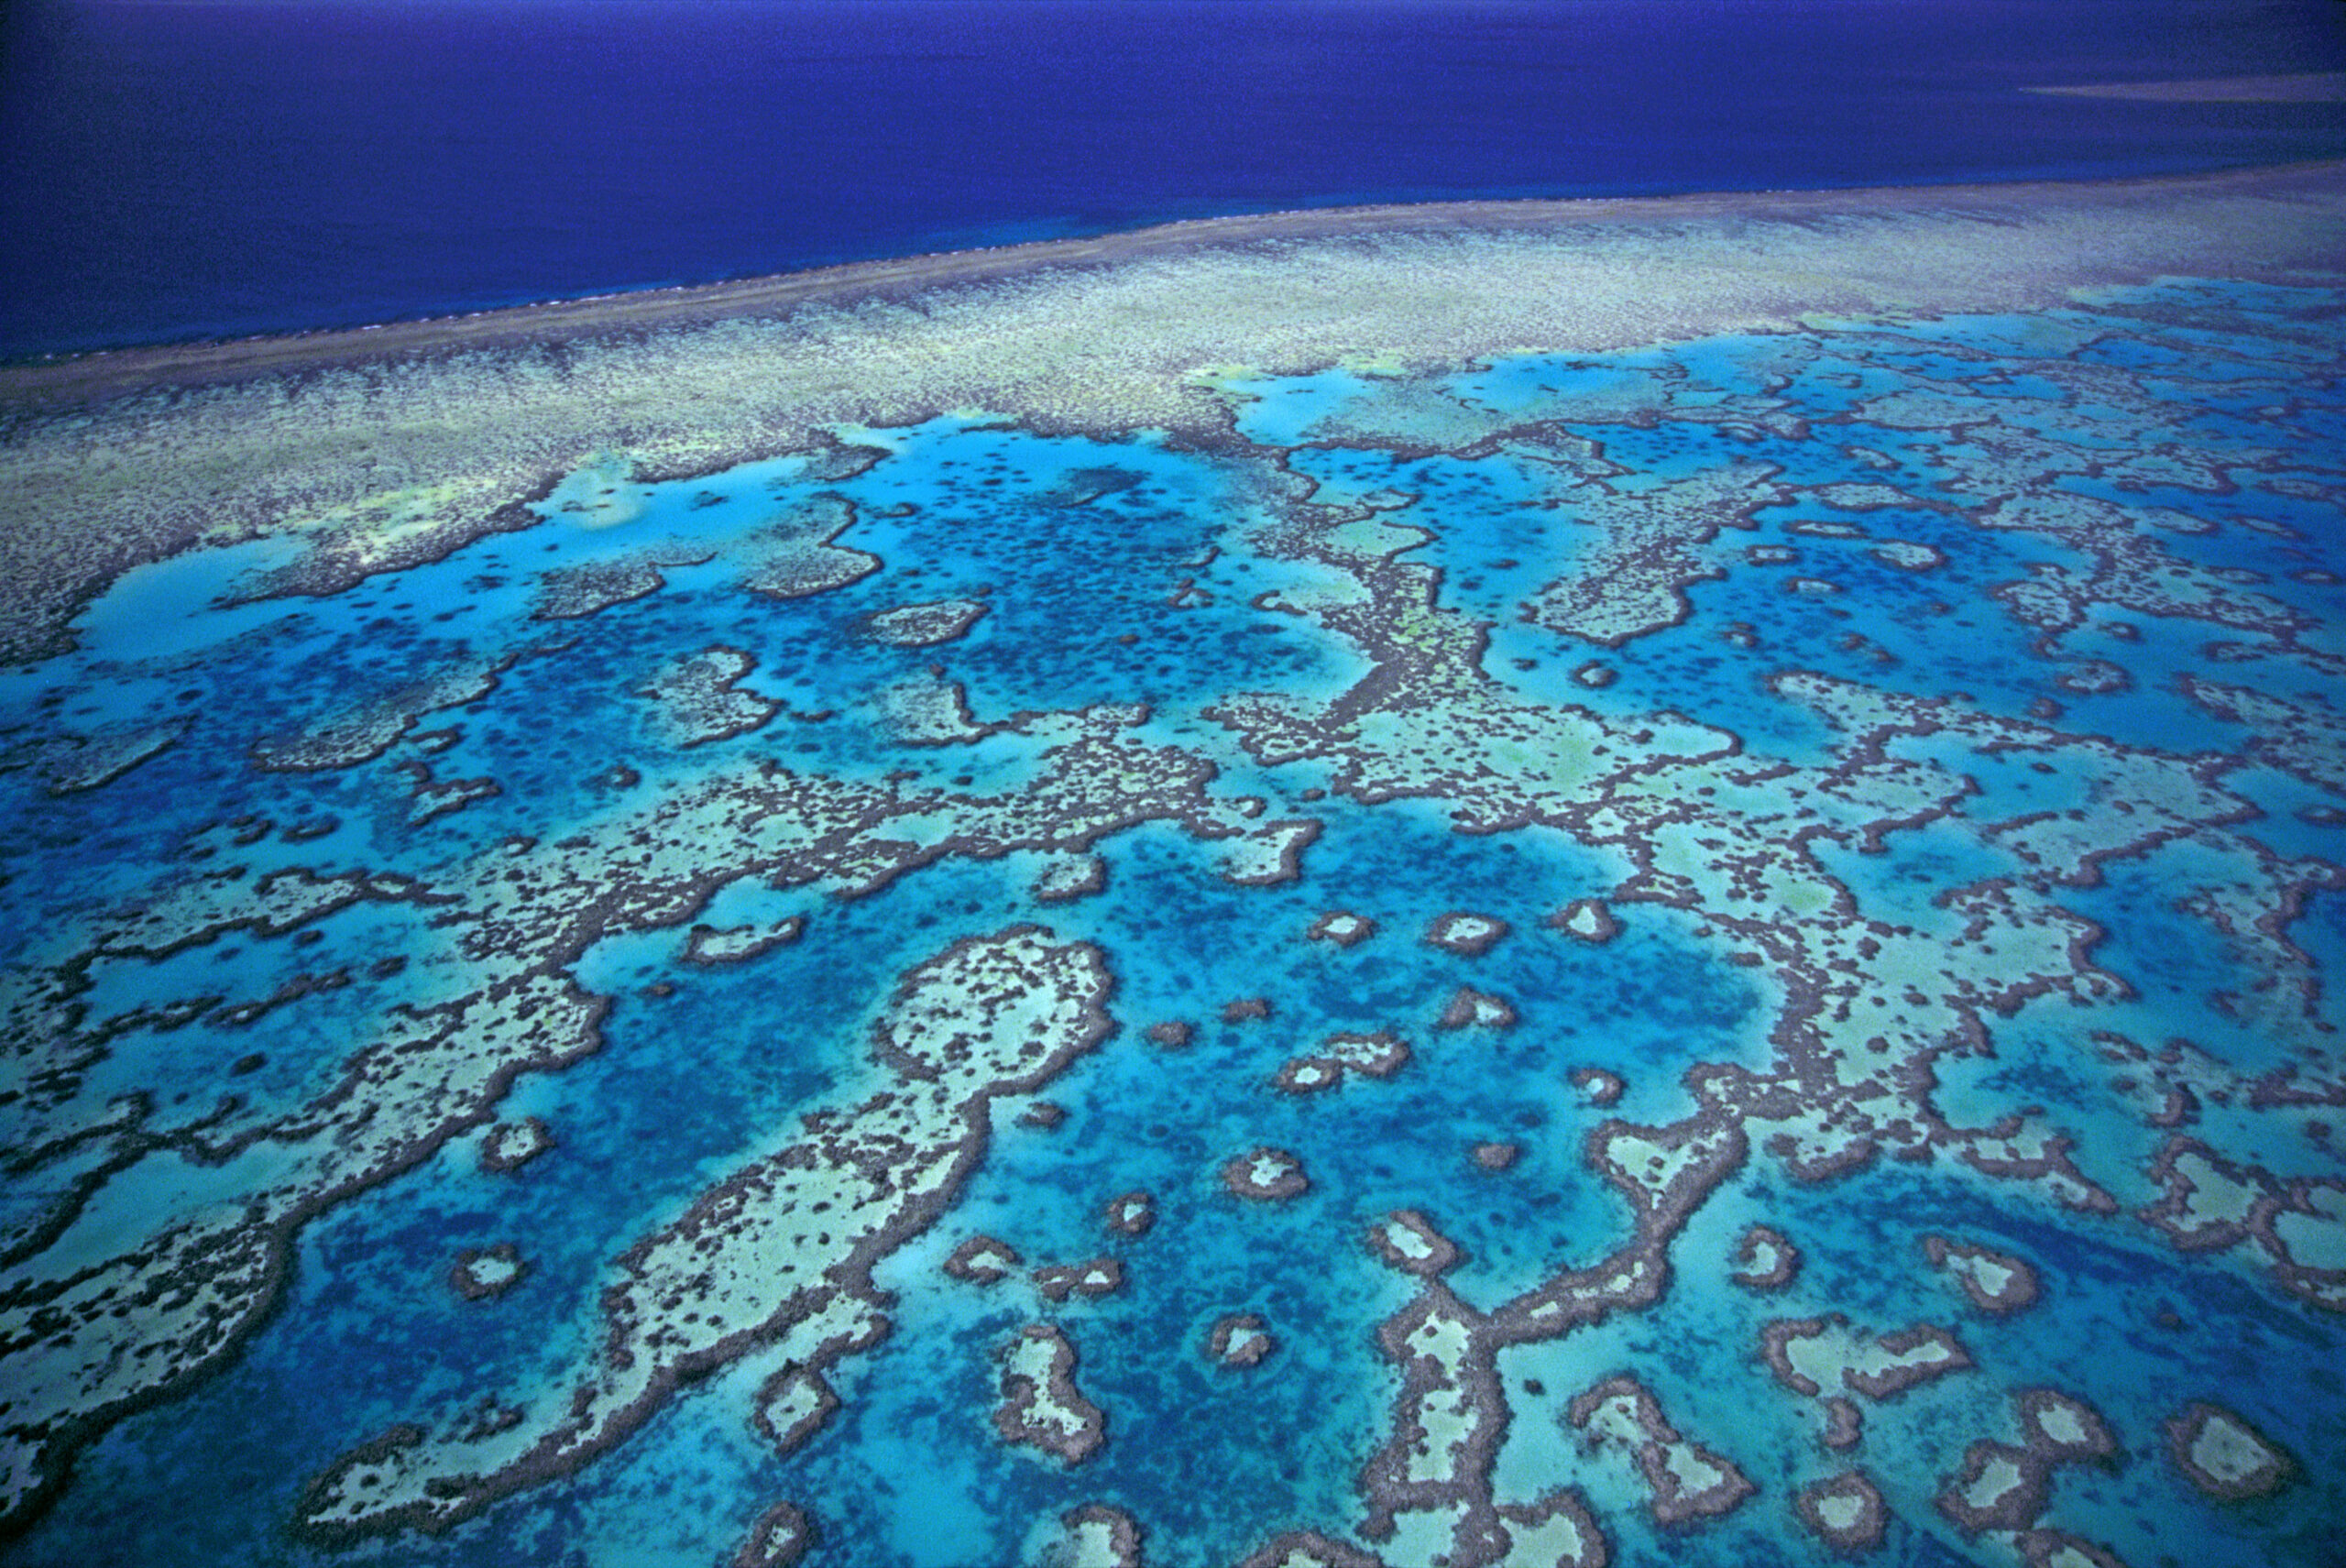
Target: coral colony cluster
(1543, 885)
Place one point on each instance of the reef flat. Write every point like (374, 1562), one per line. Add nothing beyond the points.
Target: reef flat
(1560, 884)
(379, 446)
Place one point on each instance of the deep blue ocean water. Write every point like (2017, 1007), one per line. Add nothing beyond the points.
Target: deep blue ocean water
(176, 170)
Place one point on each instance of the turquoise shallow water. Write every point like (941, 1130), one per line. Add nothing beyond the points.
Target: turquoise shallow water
(1907, 752)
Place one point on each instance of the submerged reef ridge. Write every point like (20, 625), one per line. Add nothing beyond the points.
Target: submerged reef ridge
(1356, 891)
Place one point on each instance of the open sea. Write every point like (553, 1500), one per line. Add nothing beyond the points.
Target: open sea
(178, 170)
